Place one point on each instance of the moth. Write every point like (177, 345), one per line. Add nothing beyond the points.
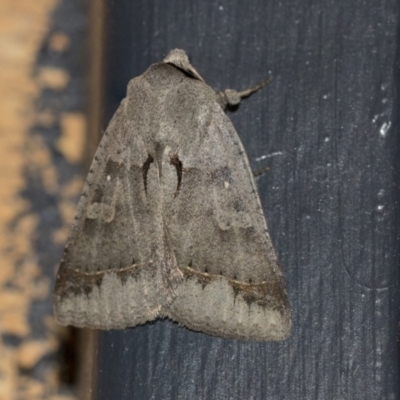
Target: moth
(170, 223)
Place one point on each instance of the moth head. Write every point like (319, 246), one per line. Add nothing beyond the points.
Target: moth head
(179, 59)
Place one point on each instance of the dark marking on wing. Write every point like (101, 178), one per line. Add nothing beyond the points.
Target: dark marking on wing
(112, 169)
(175, 161)
(221, 175)
(202, 278)
(98, 195)
(90, 227)
(145, 170)
(268, 294)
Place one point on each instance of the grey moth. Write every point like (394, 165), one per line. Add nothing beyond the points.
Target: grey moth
(170, 223)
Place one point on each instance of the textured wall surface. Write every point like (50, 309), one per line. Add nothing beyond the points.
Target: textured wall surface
(327, 128)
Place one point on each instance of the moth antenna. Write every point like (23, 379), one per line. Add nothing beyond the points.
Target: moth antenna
(231, 97)
(248, 92)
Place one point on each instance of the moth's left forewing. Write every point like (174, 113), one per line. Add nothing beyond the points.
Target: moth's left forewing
(233, 285)
(110, 275)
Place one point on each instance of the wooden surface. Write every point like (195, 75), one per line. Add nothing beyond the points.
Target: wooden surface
(327, 128)
(42, 131)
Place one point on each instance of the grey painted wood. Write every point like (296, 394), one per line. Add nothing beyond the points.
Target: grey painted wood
(327, 128)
